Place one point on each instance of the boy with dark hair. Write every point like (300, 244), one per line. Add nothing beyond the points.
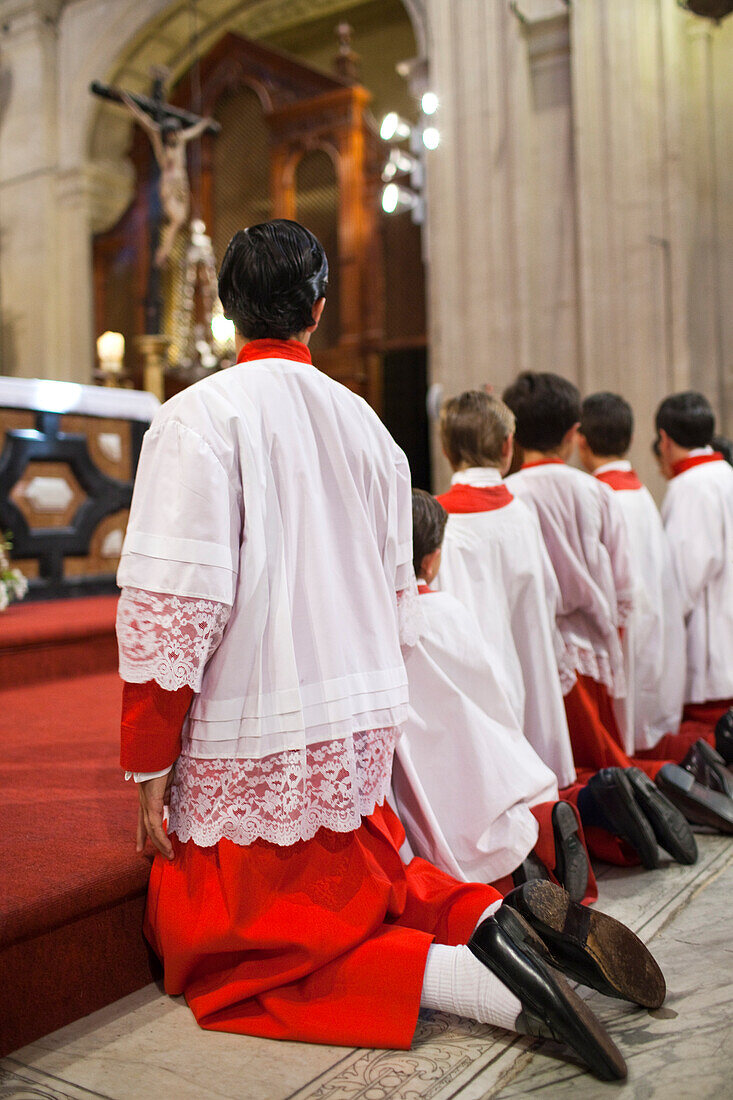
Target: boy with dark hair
(584, 533)
(260, 645)
(698, 518)
(655, 636)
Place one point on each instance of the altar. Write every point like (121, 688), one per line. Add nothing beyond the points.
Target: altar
(68, 456)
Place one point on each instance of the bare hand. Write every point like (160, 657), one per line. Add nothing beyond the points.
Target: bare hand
(152, 795)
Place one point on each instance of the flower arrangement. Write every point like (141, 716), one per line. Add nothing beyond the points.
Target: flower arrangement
(13, 585)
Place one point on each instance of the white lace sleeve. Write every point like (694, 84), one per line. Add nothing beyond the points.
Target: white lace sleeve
(409, 614)
(167, 638)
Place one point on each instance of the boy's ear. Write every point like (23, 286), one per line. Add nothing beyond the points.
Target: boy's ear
(429, 565)
(316, 313)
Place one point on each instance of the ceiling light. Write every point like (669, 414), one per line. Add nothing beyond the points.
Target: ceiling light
(429, 103)
(431, 137)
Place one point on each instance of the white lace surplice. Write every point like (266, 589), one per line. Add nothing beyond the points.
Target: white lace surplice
(284, 797)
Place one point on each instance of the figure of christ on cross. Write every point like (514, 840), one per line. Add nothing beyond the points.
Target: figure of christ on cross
(170, 129)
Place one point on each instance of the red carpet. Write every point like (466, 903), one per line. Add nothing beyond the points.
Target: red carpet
(72, 898)
(49, 640)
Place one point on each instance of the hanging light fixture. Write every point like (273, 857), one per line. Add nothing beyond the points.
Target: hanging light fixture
(429, 103)
(431, 137)
(396, 200)
(394, 128)
(399, 163)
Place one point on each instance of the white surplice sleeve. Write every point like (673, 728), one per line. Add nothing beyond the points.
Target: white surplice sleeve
(179, 561)
(186, 519)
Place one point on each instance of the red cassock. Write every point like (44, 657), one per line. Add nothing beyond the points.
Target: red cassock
(322, 941)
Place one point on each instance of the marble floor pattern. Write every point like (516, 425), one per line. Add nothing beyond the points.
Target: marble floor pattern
(148, 1045)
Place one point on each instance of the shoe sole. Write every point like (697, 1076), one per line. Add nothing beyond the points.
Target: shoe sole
(576, 936)
(582, 1032)
(698, 804)
(670, 825)
(717, 766)
(571, 858)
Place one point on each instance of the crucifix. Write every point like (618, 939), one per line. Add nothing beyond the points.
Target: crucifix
(170, 129)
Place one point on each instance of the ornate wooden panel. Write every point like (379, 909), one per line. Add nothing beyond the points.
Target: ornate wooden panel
(65, 490)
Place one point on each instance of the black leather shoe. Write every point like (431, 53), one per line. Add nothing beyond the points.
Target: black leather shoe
(669, 824)
(724, 736)
(550, 1009)
(699, 805)
(588, 946)
(571, 858)
(530, 869)
(615, 800)
(708, 768)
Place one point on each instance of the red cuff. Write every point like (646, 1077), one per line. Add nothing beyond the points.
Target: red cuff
(151, 726)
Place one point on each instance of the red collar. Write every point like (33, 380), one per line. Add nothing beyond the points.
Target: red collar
(620, 479)
(274, 349)
(543, 462)
(425, 590)
(696, 460)
(474, 498)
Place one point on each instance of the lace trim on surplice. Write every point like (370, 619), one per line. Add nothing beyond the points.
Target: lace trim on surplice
(167, 638)
(285, 797)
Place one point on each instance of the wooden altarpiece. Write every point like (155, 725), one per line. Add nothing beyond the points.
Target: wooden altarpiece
(304, 110)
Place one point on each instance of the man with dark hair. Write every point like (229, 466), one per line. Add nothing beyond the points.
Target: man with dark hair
(698, 517)
(266, 568)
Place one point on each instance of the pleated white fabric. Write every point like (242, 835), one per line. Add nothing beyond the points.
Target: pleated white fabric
(464, 775)
(586, 540)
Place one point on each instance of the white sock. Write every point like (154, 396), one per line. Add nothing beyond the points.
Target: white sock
(455, 981)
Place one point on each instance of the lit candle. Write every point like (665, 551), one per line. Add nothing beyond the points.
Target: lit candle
(111, 351)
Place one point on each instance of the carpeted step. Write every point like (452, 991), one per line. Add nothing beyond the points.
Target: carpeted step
(55, 639)
(73, 887)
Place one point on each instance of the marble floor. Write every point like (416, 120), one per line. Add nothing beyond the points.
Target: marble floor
(148, 1046)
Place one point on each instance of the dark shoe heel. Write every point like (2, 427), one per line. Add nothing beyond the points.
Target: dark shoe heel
(699, 805)
(571, 858)
(589, 946)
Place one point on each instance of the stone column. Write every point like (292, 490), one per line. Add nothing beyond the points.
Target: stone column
(29, 322)
(709, 167)
(500, 189)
